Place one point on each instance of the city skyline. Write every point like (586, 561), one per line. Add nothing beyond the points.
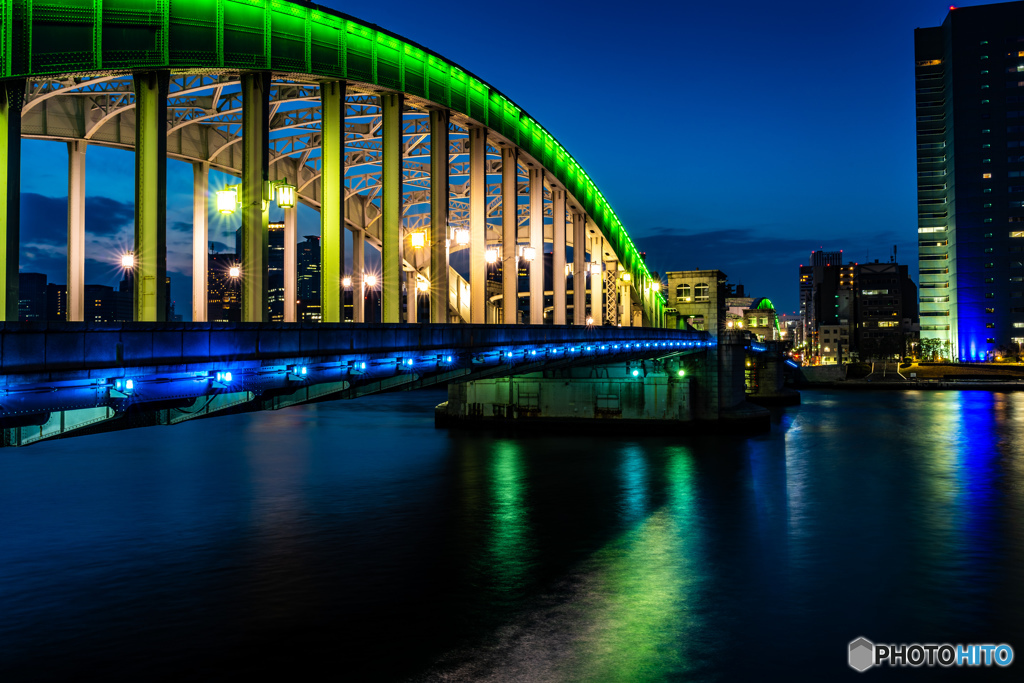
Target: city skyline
(778, 150)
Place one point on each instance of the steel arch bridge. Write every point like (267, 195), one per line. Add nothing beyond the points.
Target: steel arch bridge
(384, 137)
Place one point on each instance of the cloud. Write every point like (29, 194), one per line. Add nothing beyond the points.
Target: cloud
(181, 226)
(106, 216)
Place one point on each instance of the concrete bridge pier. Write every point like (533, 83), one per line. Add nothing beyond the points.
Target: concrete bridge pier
(769, 372)
(699, 390)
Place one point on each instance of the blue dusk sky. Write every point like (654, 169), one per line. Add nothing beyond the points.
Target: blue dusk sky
(738, 135)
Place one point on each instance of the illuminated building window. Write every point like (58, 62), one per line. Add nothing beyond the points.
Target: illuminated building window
(1017, 233)
(986, 175)
(1018, 325)
(989, 280)
(990, 310)
(683, 292)
(701, 292)
(990, 325)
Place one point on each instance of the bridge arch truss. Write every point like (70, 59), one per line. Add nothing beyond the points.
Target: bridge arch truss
(384, 137)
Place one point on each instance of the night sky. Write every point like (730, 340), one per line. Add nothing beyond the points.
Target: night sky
(737, 136)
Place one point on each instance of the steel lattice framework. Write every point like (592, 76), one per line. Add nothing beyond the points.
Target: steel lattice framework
(77, 59)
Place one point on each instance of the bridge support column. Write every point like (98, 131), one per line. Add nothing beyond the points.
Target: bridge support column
(76, 231)
(537, 244)
(391, 206)
(411, 300)
(200, 240)
(12, 97)
(509, 234)
(332, 201)
(438, 236)
(625, 304)
(478, 225)
(579, 268)
(558, 276)
(255, 177)
(358, 268)
(597, 280)
(291, 269)
(151, 195)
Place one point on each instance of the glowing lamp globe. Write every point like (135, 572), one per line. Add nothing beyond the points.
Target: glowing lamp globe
(227, 201)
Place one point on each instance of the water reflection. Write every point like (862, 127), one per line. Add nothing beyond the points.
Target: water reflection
(511, 546)
(634, 484)
(465, 557)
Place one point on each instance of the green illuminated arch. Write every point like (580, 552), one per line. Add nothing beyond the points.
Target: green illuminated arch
(46, 38)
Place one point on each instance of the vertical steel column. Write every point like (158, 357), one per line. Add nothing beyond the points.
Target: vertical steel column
(12, 97)
(478, 224)
(509, 236)
(332, 201)
(291, 270)
(579, 268)
(410, 297)
(200, 239)
(391, 105)
(558, 276)
(438, 236)
(625, 304)
(537, 244)
(255, 177)
(76, 231)
(151, 195)
(597, 279)
(358, 266)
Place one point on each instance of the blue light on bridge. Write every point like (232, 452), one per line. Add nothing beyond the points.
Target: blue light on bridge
(224, 377)
(125, 386)
(792, 364)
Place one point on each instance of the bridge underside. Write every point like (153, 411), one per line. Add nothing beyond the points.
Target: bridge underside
(61, 380)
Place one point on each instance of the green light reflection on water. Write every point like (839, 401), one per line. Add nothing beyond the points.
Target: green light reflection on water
(511, 544)
(637, 609)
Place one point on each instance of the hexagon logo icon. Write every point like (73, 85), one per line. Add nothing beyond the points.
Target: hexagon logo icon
(862, 654)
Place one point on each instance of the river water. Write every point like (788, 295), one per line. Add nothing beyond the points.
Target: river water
(353, 541)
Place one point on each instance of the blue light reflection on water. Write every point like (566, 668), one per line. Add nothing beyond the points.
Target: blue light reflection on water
(279, 541)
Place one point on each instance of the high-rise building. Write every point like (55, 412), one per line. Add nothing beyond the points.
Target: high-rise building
(223, 290)
(308, 276)
(970, 179)
(275, 272)
(32, 297)
(56, 302)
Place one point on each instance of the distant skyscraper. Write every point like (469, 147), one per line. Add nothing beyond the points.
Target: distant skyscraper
(224, 292)
(32, 297)
(275, 272)
(970, 178)
(56, 302)
(308, 263)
